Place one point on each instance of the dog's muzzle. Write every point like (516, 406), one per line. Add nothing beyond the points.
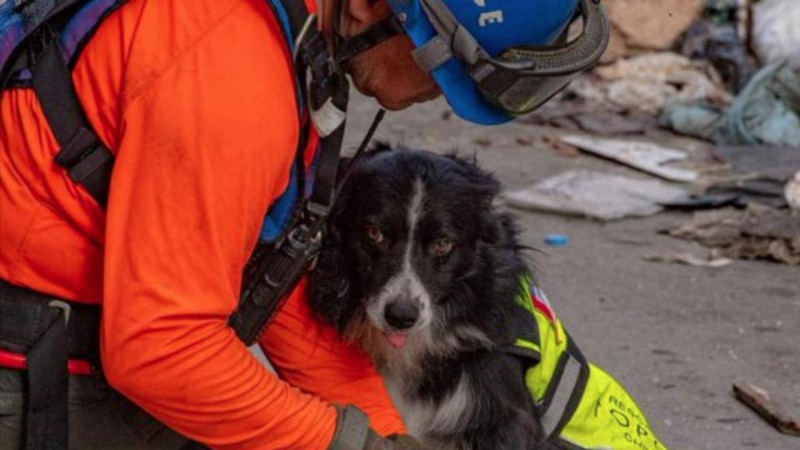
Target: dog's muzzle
(402, 314)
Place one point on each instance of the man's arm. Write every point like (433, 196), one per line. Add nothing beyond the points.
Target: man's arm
(311, 356)
(205, 146)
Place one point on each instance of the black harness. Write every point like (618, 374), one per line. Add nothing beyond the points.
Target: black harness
(48, 330)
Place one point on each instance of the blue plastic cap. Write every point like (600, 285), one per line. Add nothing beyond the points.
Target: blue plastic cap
(556, 240)
(496, 25)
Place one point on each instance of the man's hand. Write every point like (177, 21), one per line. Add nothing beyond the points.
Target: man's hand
(353, 433)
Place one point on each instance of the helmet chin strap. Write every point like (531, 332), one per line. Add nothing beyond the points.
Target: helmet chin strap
(346, 48)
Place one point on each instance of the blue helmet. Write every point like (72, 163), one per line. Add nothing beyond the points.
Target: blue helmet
(495, 59)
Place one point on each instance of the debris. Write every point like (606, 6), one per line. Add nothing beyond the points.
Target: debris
(766, 111)
(563, 149)
(763, 172)
(720, 44)
(759, 232)
(721, 11)
(770, 162)
(605, 124)
(649, 82)
(591, 117)
(645, 156)
(483, 141)
(595, 195)
(776, 31)
(760, 401)
(690, 259)
(650, 25)
(761, 190)
(556, 240)
(698, 120)
(524, 141)
(792, 192)
(560, 111)
(708, 201)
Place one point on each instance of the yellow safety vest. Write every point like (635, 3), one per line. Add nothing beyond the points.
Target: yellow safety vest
(581, 406)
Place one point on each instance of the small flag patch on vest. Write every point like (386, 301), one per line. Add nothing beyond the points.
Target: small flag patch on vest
(541, 303)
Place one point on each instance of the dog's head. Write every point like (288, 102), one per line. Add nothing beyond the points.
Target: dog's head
(415, 250)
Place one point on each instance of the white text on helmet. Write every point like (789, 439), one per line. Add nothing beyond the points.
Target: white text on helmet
(488, 17)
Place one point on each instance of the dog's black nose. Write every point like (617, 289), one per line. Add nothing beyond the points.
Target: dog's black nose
(401, 315)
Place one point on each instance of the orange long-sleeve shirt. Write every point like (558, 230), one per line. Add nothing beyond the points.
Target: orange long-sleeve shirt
(197, 101)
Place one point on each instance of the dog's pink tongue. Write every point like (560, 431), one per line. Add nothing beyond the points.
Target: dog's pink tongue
(397, 340)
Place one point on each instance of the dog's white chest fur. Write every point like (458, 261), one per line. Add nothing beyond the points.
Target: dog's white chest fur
(426, 419)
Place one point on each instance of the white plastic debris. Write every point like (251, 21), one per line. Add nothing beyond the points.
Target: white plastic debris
(595, 195)
(645, 156)
(776, 31)
(792, 192)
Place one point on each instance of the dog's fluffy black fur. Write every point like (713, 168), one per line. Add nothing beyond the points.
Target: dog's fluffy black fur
(421, 268)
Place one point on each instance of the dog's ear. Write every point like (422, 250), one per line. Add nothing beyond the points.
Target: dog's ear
(482, 181)
(330, 284)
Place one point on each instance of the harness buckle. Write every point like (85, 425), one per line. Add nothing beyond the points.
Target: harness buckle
(64, 306)
(317, 210)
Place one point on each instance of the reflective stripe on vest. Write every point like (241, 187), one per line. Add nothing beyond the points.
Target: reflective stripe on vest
(580, 404)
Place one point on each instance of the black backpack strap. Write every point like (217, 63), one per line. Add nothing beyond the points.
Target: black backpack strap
(297, 14)
(35, 15)
(88, 161)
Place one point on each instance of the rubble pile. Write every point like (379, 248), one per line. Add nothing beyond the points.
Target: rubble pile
(721, 78)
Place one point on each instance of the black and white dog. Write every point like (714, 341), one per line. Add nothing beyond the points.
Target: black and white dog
(423, 270)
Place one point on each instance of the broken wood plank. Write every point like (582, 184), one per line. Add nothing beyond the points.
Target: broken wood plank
(759, 401)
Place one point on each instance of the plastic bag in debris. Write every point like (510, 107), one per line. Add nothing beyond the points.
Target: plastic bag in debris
(776, 31)
(698, 120)
(767, 111)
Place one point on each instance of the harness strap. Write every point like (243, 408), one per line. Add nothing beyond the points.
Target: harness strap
(565, 391)
(46, 330)
(86, 158)
(275, 270)
(47, 427)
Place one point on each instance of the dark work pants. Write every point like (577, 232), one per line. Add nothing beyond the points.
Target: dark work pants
(99, 417)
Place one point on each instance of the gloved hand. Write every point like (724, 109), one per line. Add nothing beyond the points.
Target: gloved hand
(393, 442)
(353, 433)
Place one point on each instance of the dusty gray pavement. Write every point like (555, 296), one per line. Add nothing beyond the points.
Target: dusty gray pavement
(676, 336)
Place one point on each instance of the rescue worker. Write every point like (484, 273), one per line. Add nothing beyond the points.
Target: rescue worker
(198, 102)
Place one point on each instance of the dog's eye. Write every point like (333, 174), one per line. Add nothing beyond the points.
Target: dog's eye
(441, 247)
(375, 235)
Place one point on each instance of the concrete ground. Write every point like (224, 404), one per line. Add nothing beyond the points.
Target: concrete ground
(677, 336)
